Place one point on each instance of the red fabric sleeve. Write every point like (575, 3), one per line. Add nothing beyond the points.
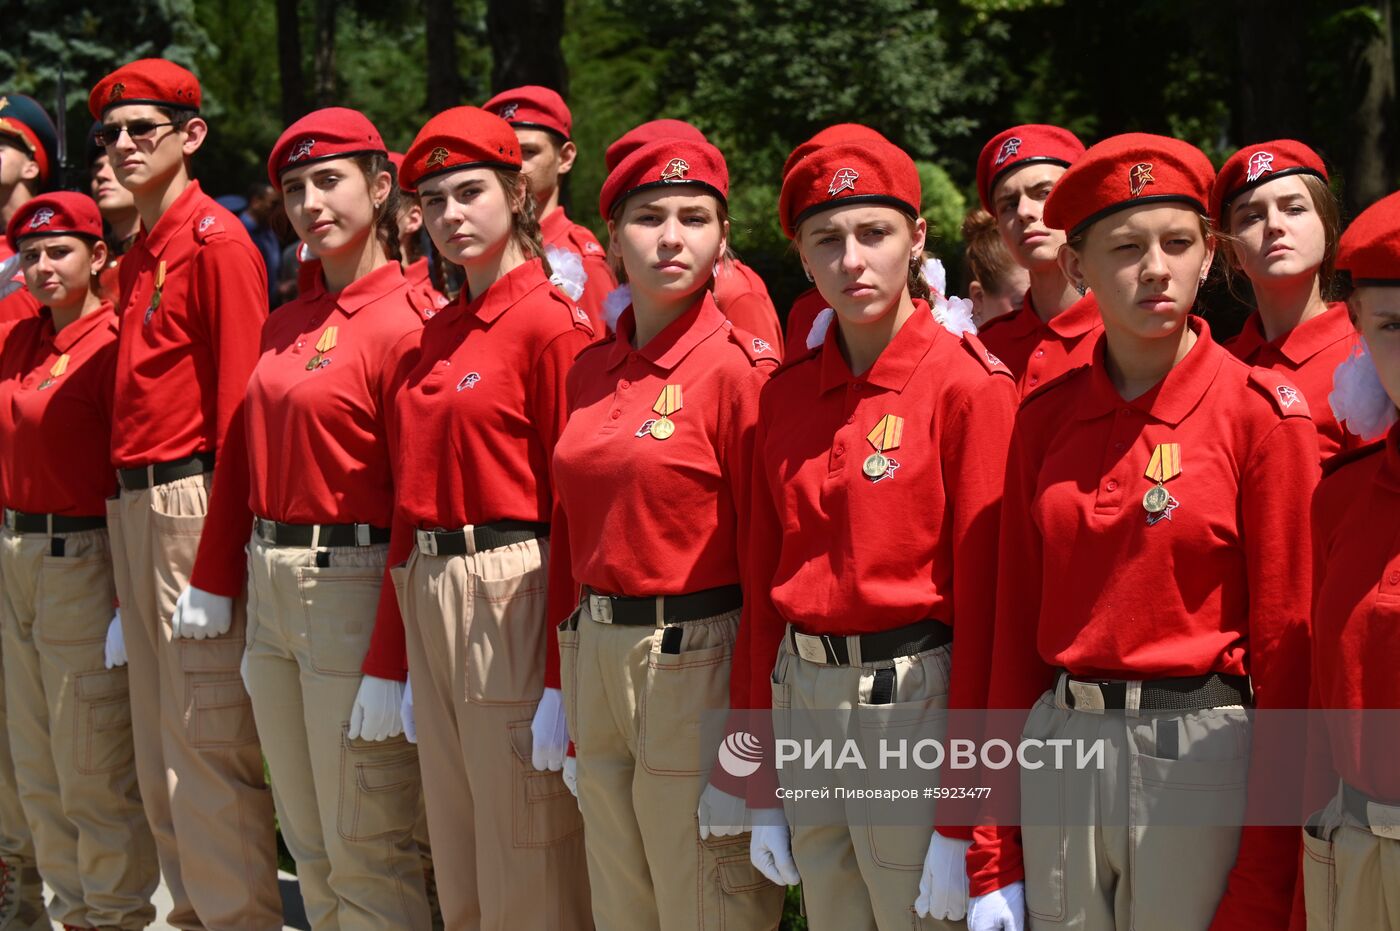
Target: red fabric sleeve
(1276, 489)
(600, 283)
(975, 438)
(230, 285)
(753, 313)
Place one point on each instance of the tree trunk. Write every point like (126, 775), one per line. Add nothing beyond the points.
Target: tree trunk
(1372, 166)
(323, 64)
(444, 80)
(525, 36)
(289, 61)
(1272, 80)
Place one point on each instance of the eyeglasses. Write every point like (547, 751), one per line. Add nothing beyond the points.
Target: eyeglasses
(138, 130)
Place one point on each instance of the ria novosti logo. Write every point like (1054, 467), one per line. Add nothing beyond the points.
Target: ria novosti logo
(741, 754)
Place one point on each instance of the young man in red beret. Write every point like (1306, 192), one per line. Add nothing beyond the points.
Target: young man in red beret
(543, 124)
(1054, 329)
(194, 302)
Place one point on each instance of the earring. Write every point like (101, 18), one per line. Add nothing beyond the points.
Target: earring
(1081, 287)
(809, 275)
(714, 272)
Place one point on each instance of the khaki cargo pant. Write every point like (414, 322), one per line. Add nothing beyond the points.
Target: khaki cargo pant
(1148, 841)
(863, 874)
(70, 731)
(1351, 877)
(16, 844)
(635, 714)
(197, 755)
(347, 808)
(507, 840)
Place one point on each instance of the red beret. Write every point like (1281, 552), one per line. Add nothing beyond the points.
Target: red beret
(24, 119)
(832, 135)
(1254, 165)
(335, 132)
(463, 137)
(638, 136)
(152, 81)
(1370, 248)
(870, 172)
(1124, 171)
(533, 107)
(62, 212)
(1023, 145)
(663, 163)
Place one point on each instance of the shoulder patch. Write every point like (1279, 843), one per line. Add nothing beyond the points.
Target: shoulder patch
(1340, 460)
(577, 315)
(1285, 396)
(208, 226)
(985, 357)
(758, 350)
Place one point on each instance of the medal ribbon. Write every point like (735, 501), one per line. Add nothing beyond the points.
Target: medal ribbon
(160, 275)
(669, 401)
(1165, 464)
(327, 341)
(887, 433)
(59, 367)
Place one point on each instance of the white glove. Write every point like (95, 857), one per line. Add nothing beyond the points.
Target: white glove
(770, 848)
(376, 715)
(1002, 909)
(571, 774)
(551, 732)
(410, 726)
(721, 814)
(116, 644)
(943, 888)
(200, 614)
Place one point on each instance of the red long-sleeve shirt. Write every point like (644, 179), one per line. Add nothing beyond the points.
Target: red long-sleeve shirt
(743, 298)
(557, 230)
(803, 312)
(1223, 586)
(474, 426)
(647, 516)
(1039, 352)
(56, 429)
(182, 371)
(1306, 355)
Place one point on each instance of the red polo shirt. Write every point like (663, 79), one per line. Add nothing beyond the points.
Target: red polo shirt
(799, 322)
(428, 299)
(1222, 586)
(20, 305)
(1307, 356)
(558, 231)
(56, 430)
(608, 467)
(833, 552)
(474, 426)
(1038, 352)
(743, 299)
(182, 373)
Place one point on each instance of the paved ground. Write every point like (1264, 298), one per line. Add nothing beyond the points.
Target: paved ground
(292, 912)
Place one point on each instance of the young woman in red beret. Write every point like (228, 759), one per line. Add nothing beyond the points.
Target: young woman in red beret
(1054, 329)
(1282, 224)
(1156, 514)
(877, 480)
(1350, 848)
(344, 779)
(652, 477)
(474, 428)
(80, 800)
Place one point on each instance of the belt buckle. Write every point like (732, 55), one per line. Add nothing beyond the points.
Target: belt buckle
(427, 542)
(267, 530)
(810, 648)
(601, 608)
(12, 520)
(1384, 820)
(361, 534)
(1088, 696)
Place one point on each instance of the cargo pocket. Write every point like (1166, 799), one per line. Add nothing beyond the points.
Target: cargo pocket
(568, 669)
(735, 895)
(177, 517)
(75, 599)
(1320, 870)
(339, 604)
(218, 712)
(680, 689)
(505, 634)
(102, 724)
(545, 811)
(379, 788)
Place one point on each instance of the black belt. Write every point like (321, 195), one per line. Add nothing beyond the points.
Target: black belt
(909, 640)
(160, 473)
(1355, 802)
(660, 610)
(1190, 693)
(274, 533)
(20, 522)
(484, 537)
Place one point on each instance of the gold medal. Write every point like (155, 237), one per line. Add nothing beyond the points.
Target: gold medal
(1164, 466)
(667, 403)
(155, 295)
(1155, 501)
(887, 434)
(323, 345)
(55, 372)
